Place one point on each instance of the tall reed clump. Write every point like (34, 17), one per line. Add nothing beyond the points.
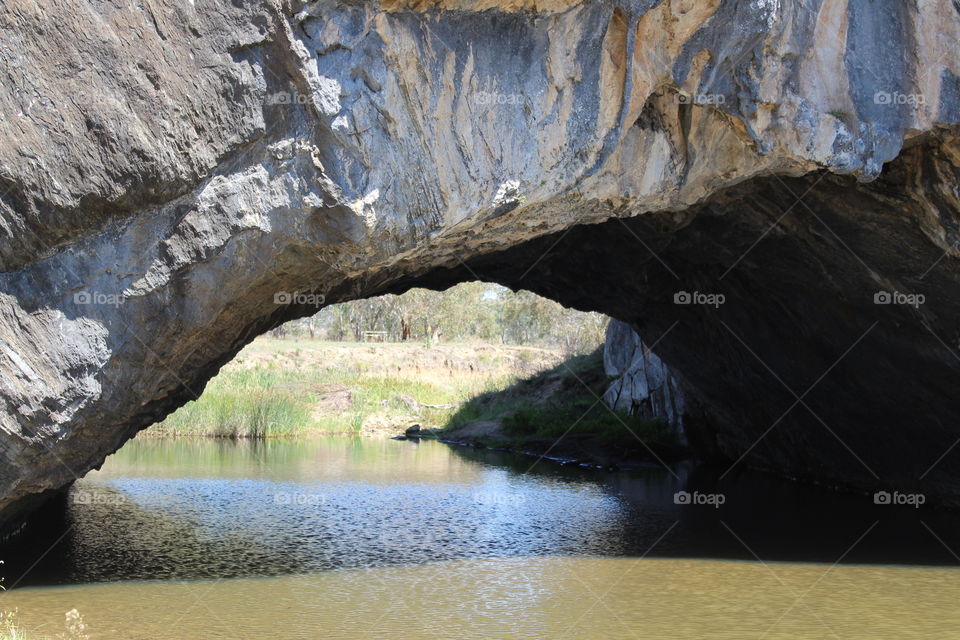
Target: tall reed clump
(245, 403)
(10, 628)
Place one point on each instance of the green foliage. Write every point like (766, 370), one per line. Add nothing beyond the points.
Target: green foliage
(843, 116)
(266, 401)
(10, 629)
(525, 421)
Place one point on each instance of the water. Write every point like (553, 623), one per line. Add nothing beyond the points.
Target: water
(347, 538)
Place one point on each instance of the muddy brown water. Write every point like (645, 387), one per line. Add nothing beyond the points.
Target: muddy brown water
(350, 538)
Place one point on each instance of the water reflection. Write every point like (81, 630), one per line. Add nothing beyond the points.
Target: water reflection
(188, 509)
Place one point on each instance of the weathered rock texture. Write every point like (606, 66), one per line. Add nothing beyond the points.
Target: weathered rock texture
(642, 384)
(170, 170)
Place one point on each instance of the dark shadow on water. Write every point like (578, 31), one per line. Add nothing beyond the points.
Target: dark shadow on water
(187, 509)
(761, 516)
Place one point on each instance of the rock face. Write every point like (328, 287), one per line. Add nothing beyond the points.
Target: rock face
(643, 385)
(177, 177)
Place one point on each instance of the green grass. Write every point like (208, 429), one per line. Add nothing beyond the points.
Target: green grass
(504, 402)
(10, 628)
(12, 633)
(527, 412)
(580, 415)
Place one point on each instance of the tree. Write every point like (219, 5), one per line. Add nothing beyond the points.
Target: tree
(476, 311)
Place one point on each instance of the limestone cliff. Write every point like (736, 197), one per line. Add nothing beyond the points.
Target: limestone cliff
(177, 177)
(641, 384)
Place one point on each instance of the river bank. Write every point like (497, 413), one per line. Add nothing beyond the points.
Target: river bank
(523, 399)
(299, 387)
(584, 450)
(558, 415)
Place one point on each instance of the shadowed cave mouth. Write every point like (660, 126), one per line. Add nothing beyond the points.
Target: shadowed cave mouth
(375, 365)
(810, 321)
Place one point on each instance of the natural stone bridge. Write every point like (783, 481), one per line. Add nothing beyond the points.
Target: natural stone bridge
(170, 169)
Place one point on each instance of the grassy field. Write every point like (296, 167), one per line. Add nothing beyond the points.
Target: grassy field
(300, 387)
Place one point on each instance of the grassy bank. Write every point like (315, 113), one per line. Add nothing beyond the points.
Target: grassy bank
(559, 410)
(277, 388)
(528, 400)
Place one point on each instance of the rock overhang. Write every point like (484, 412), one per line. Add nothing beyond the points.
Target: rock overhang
(190, 161)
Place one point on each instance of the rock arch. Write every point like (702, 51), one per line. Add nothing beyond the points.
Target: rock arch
(177, 178)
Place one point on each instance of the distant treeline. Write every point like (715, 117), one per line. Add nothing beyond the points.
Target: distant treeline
(473, 311)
